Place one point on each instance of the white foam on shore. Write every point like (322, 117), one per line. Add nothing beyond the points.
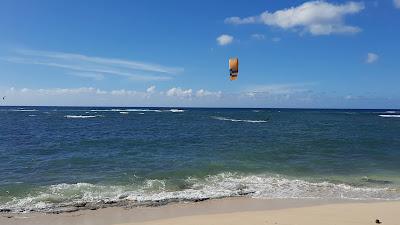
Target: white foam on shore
(216, 186)
(390, 116)
(81, 116)
(238, 120)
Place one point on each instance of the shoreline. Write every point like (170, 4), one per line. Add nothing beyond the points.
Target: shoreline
(183, 213)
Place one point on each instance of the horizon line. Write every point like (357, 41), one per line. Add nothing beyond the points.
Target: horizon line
(202, 107)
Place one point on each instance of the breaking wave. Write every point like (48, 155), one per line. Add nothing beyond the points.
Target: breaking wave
(238, 120)
(23, 110)
(72, 197)
(81, 116)
(137, 110)
(394, 116)
(126, 110)
(176, 110)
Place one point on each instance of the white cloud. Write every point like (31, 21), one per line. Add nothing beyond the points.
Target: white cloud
(351, 97)
(151, 89)
(277, 89)
(315, 17)
(239, 21)
(100, 92)
(95, 76)
(276, 39)
(224, 39)
(205, 93)
(396, 3)
(60, 91)
(136, 65)
(95, 67)
(179, 92)
(258, 36)
(371, 57)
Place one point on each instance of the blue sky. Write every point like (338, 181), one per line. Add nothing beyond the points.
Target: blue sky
(329, 54)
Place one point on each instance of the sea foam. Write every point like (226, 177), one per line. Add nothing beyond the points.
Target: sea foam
(153, 192)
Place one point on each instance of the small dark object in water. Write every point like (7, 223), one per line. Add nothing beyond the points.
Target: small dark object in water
(80, 204)
(377, 221)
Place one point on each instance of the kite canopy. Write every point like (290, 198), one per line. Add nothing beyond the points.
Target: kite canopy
(233, 68)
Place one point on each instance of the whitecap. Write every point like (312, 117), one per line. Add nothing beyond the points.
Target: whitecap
(394, 116)
(238, 120)
(125, 110)
(81, 116)
(124, 113)
(176, 110)
(23, 110)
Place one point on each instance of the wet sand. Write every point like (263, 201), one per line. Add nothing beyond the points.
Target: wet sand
(233, 211)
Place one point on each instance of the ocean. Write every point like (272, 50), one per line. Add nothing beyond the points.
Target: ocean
(56, 159)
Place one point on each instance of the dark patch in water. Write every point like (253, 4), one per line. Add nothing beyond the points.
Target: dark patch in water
(373, 181)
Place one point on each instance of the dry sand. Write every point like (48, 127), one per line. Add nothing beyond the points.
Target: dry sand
(240, 211)
(336, 214)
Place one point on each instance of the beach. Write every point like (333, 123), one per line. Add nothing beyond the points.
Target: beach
(233, 211)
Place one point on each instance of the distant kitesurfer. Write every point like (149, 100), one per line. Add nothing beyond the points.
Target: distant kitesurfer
(4, 98)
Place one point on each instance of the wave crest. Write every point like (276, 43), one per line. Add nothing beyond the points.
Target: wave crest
(390, 116)
(155, 192)
(238, 120)
(81, 116)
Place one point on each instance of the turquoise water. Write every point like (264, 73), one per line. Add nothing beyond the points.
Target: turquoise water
(53, 158)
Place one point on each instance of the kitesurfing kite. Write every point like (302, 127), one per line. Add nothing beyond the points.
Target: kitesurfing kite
(233, 68)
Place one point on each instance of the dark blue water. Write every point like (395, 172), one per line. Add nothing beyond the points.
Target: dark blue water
(55, 157)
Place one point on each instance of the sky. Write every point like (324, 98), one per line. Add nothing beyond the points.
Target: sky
(173, 53)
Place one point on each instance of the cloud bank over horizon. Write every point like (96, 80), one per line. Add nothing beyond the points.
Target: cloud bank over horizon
(299, 95)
